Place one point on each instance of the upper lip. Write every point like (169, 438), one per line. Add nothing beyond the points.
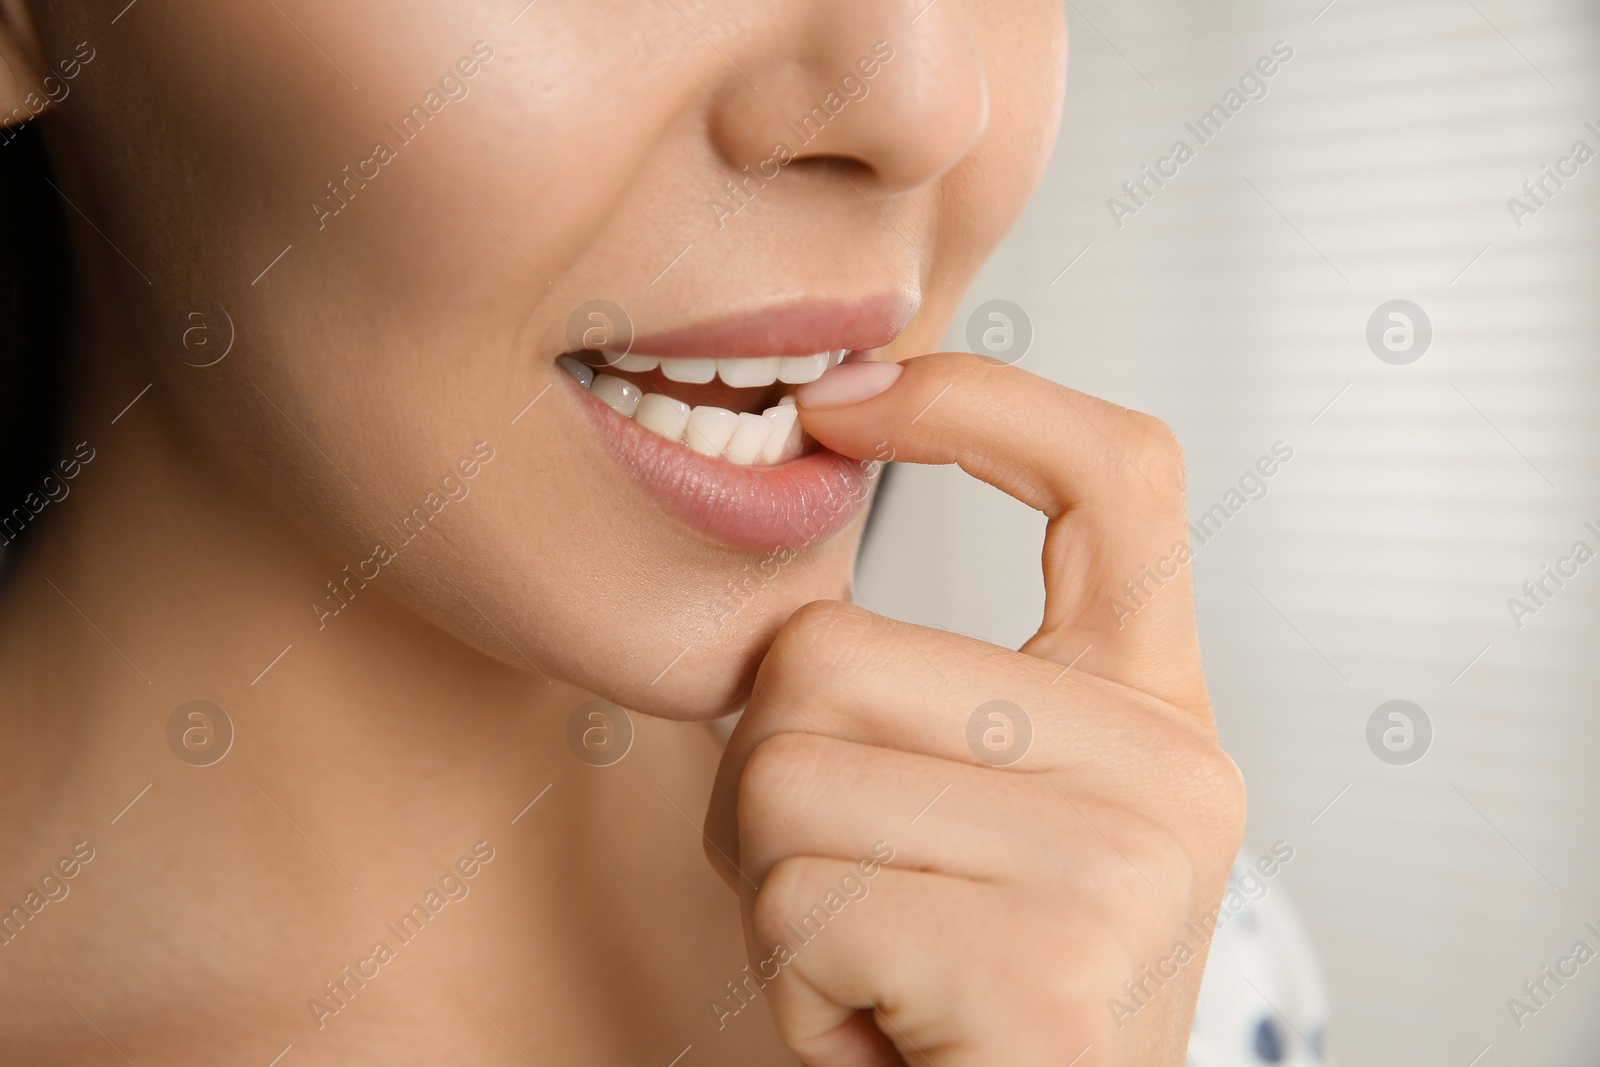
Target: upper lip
(801, 328)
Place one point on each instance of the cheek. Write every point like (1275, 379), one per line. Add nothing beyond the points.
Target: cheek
(1025, 54)
(380, 302)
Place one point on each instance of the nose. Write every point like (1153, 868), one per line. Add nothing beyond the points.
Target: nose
(900, 95)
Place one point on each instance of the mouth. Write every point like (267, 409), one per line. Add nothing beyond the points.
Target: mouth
(704, 418)
(738, 409)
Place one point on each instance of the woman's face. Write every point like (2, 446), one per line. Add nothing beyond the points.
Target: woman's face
(403, 212)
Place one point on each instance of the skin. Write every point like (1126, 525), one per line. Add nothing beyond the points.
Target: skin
(378, 352)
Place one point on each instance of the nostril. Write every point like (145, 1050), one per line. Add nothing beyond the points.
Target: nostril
(832, 165)
(860, 96)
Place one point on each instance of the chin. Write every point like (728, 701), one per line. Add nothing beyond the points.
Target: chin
(700, 664)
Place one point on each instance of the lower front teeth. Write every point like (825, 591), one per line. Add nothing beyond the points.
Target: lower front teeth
(786, 434)
(620, 393)
(749, 437)
(663, 415)
(745, 438)
(710, 429)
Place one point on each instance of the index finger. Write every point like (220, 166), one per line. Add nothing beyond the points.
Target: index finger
(1118, 596)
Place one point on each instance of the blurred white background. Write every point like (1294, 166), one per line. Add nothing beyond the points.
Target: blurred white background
(1234, 304)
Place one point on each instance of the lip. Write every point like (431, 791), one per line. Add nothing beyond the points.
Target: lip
(787, 330)
(758, 509)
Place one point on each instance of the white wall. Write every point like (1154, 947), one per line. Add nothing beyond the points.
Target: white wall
(1234, 305)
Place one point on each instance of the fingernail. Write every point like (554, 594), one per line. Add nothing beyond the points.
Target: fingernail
(846, 384)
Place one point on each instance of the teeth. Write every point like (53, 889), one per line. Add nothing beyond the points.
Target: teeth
(631, 364)
(689, 371)
(797, 370)
(578, 369)
(710, 429)
(749, 438)
(749, 373)
(621, 394)
(662, 415)
(744, 438)
(741, 373)
(784, 436)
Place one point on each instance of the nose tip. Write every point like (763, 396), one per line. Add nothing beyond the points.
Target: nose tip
(905, 101)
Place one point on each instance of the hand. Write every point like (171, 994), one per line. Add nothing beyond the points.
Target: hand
(1019, 899)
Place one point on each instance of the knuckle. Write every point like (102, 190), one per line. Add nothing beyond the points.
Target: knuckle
(778, 776)
(778, 900)
(821, 643)
(1154, 448)
(822, 624)
(1211, 798)
(1220, 785)
(1232, 802)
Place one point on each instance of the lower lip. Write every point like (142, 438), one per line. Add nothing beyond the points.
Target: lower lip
(758, 509)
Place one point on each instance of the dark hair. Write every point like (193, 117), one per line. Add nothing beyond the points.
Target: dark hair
(36, 300)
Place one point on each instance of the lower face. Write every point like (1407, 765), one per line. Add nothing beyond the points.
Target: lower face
(706, 422)
(566, 267)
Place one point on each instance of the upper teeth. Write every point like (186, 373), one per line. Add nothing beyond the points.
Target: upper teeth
(741, 373)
